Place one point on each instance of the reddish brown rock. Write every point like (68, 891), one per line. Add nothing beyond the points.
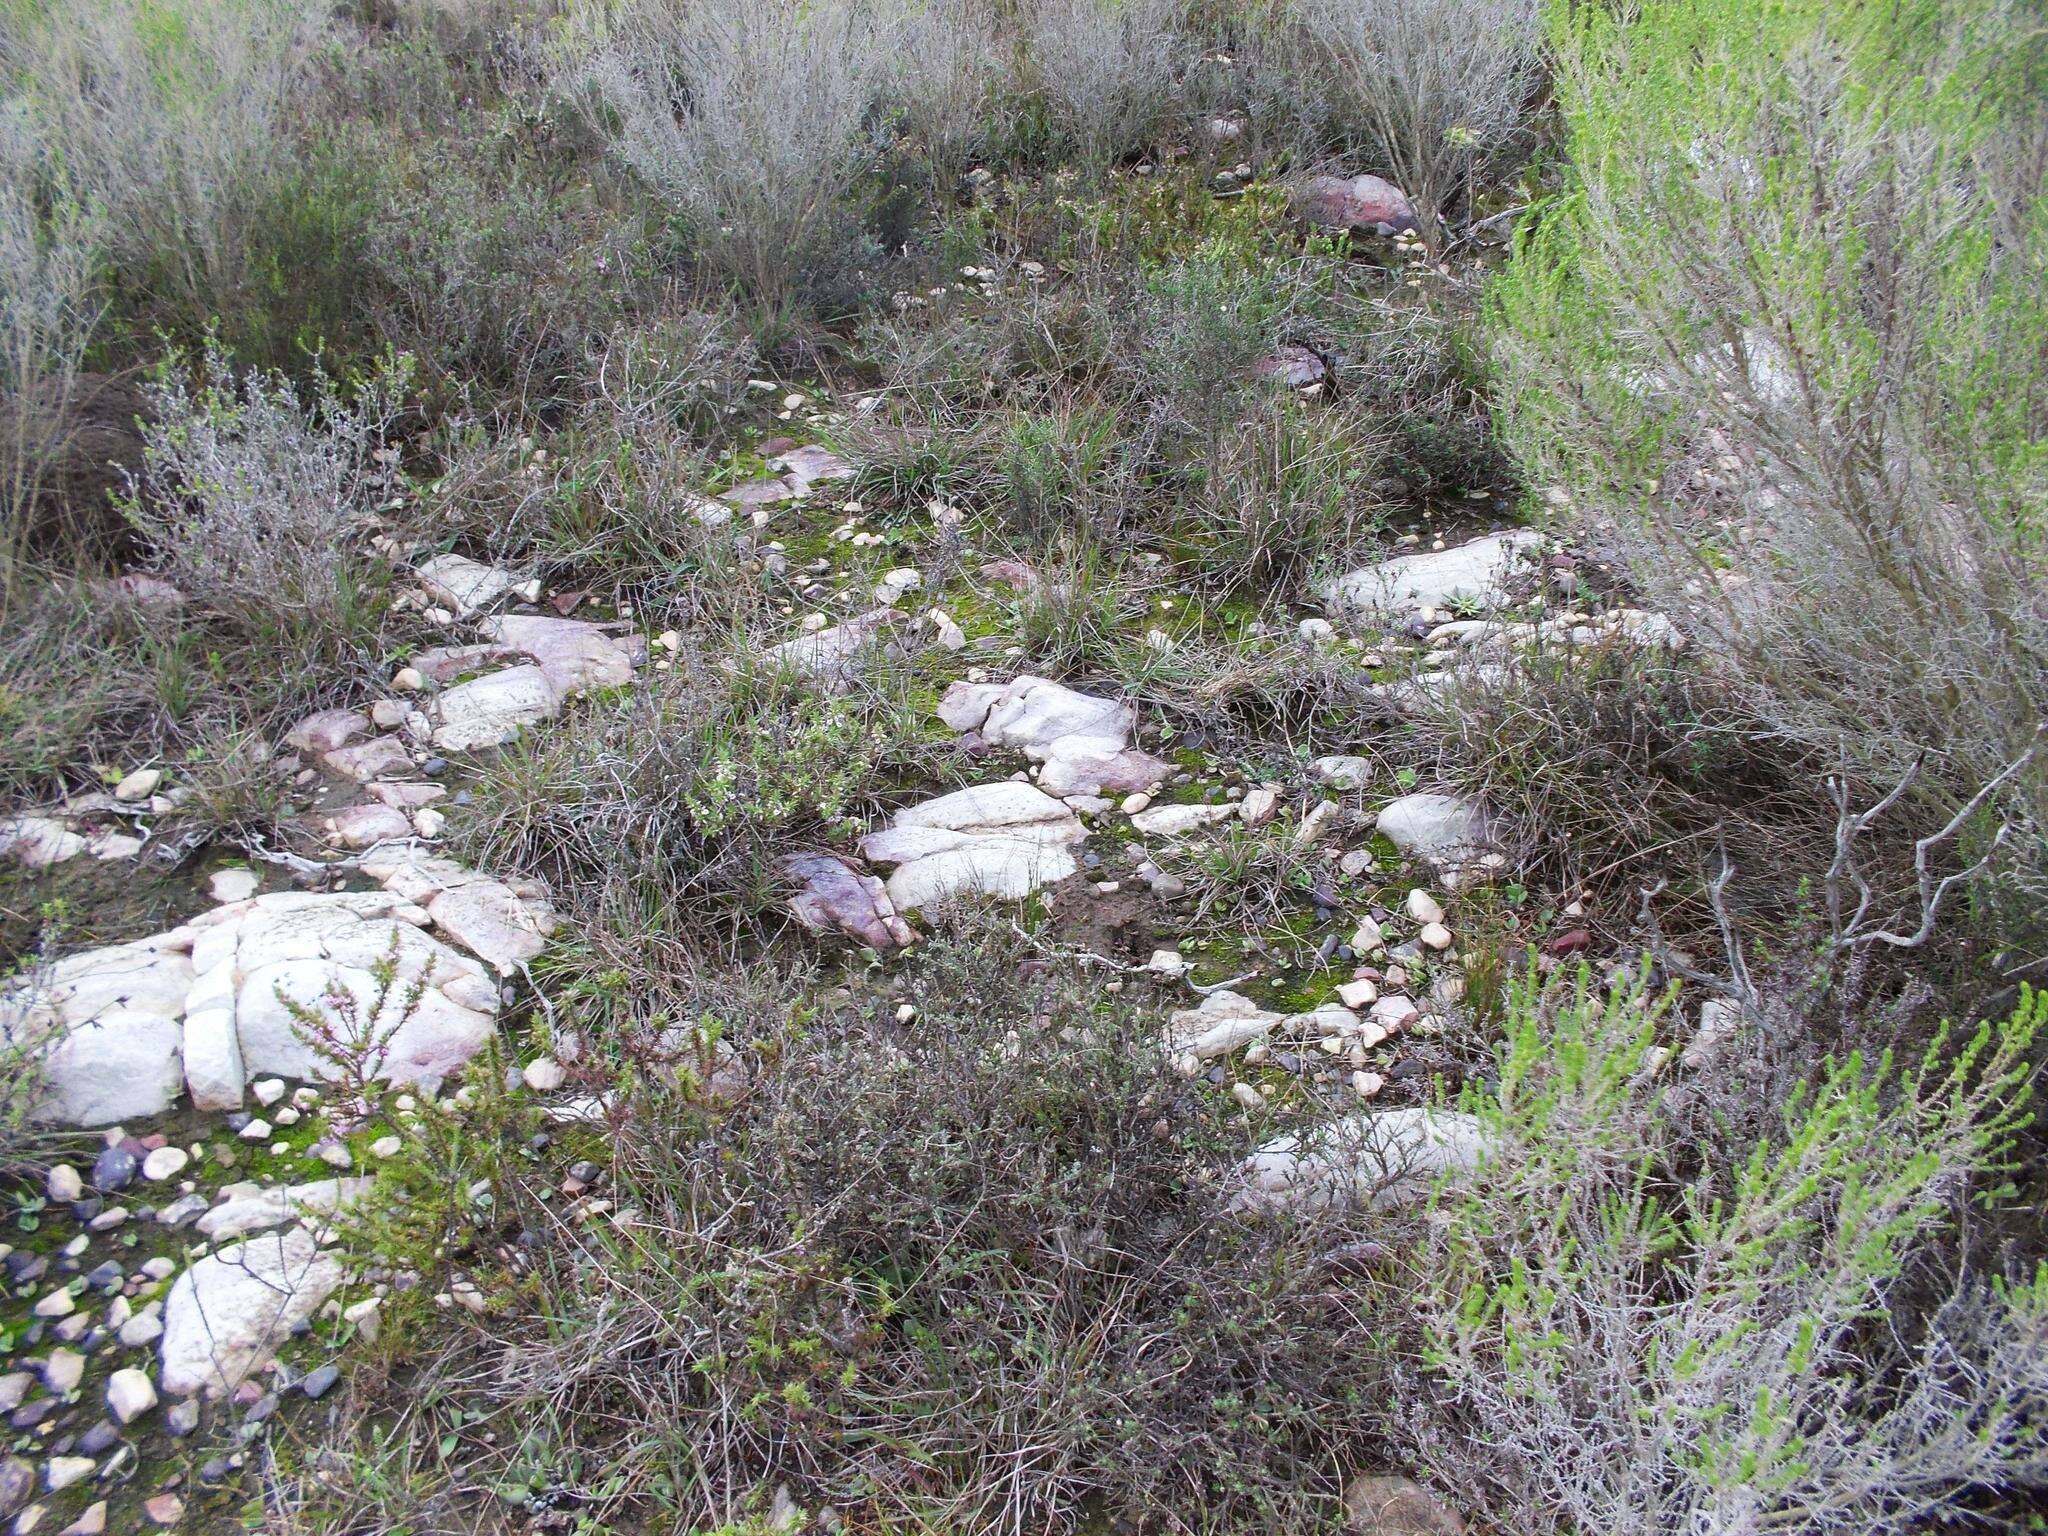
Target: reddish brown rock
(835, 897)
(1362, 202)
(1296, 367)
(327, 730)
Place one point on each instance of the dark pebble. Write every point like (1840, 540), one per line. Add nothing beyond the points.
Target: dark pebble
(540, 1142)
(29, 1415)
(1406, 1068)
(320, 1381)
(214, 1472)
(1091, 860)
(585, 1172)
(115, 1169)
(17, 1484)
(434, 767)
(237, 1119)
(105, 1277)
(263, 1408)
(99, 1440)
(27, 1268)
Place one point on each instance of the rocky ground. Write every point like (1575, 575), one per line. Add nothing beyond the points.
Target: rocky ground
(247, 1073)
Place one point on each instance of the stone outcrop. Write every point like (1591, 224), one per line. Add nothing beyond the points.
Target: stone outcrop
(1006, 839)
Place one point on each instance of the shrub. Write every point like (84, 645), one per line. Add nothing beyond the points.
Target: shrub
(753, 123)
(49, 306)
(616, 495)
(166, 122)
(1267, 487)
(1649, 1329)
(497, 277)
(964, 1274)
(692, 787)
(1443, 87)
(1774, 338)
(1107, 70)
(256, 500)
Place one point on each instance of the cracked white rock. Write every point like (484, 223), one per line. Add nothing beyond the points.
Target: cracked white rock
(254, 1212)
(276, 957)
(327, 730)
(1179, 820)
(1342, 772)
(504, 924)
(107, 1026)
(1474, 572)
(466, 586)
(810, 465)
(1223, 1022)
(571, 653)
(830, 657)
(227, 1315)
(1083, 741)
(37, 842)
(1381, 1160)
(233, 884)
(366, 825)
(119, 1030)
(565, 656)
(1445, 830)
(489, 711)
(379, 757)
(1006, 839)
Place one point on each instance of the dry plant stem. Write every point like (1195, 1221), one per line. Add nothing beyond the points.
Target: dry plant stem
(1850, 932)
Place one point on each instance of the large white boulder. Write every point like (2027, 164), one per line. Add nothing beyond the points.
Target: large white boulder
(228, 1313)
(279, 960)
(504, 925)
(1445, 830)
(489, 711)
(1083, 741)
(1474, 573)
(1006, 839)
(109, 1026)
(1384, 1159)
(120, 1030)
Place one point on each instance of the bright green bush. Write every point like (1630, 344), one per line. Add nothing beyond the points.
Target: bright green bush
(1776, 330)
(1653, 1330)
